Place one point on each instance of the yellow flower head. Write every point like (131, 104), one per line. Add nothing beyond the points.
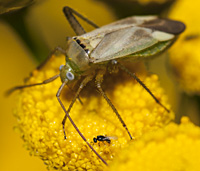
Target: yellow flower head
(185, 54)
(40, 116)
(174, 147)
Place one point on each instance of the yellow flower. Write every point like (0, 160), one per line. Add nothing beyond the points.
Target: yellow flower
(185, 54)
(174, 147)
(13, 5)
(40, 116)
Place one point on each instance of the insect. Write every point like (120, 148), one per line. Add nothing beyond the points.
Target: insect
(90, 55)
(104, 138)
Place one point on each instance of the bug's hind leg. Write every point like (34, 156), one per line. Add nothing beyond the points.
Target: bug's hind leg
(99, 79)
(142, 84)
(72, 122)
(76, 26)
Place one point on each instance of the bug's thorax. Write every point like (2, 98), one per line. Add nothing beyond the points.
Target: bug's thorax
(77, 61)
(77, 55)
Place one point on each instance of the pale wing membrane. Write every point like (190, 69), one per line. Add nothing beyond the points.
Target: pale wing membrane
(93, 38)
(128, 36)
(112, 137)
(123, 42)
(124, 23)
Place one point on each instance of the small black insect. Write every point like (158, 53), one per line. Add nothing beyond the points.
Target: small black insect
(101, 138)
(104, 138)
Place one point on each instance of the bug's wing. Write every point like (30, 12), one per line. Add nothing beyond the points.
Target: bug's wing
(112, 137)
(165, 25)
(124, 42)
(129, 35)
(96, 35)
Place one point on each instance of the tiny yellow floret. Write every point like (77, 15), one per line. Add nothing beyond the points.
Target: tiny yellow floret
(174, 147)
(40, 117)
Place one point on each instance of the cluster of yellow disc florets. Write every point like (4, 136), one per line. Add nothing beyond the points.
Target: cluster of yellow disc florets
(40, 116)
(174, 147)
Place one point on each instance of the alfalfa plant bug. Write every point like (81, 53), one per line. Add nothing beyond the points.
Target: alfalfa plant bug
(90, 55)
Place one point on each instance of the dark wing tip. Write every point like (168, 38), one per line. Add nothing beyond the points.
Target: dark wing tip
(165, 25)
(175, 27)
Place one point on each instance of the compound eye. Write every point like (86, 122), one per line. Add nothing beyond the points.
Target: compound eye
(95, 140)
(61, 66)
(70, 75)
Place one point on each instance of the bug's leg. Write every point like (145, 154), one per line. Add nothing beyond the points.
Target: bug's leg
(83, 83)
(57, 49)
(31, 85)
(79, 99)
(142, 84)
(99, 79)
(72, 122)
(76, 26)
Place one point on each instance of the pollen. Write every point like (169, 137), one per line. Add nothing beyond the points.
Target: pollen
(186, 62)
(173, 147)
(40, 116)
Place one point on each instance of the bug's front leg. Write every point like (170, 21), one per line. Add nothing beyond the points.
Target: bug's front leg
(82, 85)
(99, 80)
(74, 125)
(76, 26)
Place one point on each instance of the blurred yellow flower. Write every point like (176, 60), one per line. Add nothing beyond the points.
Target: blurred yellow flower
(174, 147)
(40, 116)
(185, 54)
(157, 1)
(13, 5)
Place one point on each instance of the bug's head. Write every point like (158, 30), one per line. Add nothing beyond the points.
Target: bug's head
(67, 73)
(95, 140)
